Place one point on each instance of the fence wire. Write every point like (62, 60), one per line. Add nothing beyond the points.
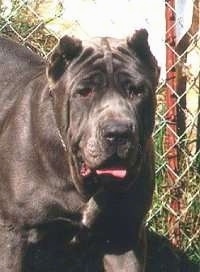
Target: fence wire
(176, 207)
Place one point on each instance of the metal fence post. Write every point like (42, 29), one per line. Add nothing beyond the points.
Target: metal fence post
(171, 147)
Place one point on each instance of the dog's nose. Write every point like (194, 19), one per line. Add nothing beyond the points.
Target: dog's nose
(117, 132)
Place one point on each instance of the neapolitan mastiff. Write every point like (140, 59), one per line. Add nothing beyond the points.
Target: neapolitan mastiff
(76, 155)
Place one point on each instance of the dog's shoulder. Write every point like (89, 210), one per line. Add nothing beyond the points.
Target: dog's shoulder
(18, 61)
(12, 49)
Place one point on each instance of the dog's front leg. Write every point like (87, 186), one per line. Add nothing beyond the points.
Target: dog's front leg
(12, 244)
(126, 262)
(132, 260)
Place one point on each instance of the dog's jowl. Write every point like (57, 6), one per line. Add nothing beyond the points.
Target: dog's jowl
(76, 155)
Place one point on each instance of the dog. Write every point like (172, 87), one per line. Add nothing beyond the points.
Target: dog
(76, 154)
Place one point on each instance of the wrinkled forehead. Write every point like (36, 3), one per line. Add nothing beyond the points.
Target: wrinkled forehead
(103, 52)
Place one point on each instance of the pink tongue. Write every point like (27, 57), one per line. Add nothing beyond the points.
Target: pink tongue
(119, 173)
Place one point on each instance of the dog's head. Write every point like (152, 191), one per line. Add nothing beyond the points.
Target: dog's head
(104, 101)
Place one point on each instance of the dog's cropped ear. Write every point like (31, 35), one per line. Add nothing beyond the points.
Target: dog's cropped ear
(67, 49)
(138, 44)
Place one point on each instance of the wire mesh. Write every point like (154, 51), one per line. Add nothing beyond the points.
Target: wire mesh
(176, 207)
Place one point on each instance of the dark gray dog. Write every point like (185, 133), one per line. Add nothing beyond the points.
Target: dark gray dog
(76, 156)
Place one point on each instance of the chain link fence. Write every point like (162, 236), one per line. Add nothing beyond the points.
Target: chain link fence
(176, 207)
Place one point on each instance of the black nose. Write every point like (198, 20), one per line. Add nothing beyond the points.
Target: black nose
(117, 131)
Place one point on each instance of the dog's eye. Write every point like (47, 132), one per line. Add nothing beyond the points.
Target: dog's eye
(85, 92)
(133, 91)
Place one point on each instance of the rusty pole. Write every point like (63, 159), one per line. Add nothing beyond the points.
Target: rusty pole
(171, 120)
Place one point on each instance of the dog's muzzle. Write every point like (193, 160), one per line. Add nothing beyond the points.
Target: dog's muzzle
(117, 137)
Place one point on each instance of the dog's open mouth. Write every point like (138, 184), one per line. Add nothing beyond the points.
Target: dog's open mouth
(116, 172)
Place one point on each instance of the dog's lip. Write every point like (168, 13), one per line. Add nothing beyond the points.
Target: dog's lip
(85, 170)
(119, 172)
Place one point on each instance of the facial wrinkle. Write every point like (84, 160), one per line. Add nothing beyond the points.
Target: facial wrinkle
(108, 58)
